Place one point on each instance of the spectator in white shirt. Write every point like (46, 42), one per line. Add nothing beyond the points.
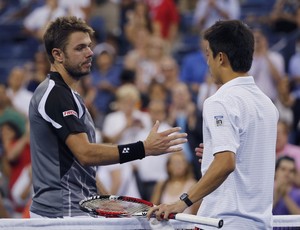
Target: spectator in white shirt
(207, 12)
(16, 91)
(35, 23)
(267, 66)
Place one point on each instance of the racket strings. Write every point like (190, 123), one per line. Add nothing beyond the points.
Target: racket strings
(119, 207)
(138, 208)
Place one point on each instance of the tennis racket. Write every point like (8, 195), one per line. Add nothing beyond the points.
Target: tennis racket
(125, 206)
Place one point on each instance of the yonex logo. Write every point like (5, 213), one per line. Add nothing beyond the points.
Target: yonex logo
(70, 112)
(126, 150)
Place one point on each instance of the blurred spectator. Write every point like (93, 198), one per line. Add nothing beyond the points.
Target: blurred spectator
(183, 113)
(282, 17)
(3, 212)
(125, 123)
(180, 179)
(137, 19)
(127, 76)
(286, 195)
(186, 6)
(298, 17)
(170, 74)
(85, 89)
(14, 11)
(285, 101)
(17, 150)
(153, 169)
(294, 73)
(119, 127)
(165, 19)
(125, 6)
(207, 12)
(22, 190)
(284, 148)
(139, 49)
(8, 113)
(108, 11)
(194, 69)
(38, 70)
(5, 113)
(148, 69)
(35, 23)
(78, 8)
(17, 92)
(206, 89)
(267, 66)
(105, 79)
(158, 92)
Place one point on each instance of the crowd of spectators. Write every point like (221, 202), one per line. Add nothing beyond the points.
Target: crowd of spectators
(149, 64)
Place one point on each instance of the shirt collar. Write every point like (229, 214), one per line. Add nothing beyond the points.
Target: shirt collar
(245, 80)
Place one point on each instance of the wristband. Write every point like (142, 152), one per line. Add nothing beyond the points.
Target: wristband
(131, 152)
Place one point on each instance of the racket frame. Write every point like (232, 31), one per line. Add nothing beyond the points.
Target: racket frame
(218, 223)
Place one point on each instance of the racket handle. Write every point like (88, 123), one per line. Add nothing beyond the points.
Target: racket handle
(199, 220)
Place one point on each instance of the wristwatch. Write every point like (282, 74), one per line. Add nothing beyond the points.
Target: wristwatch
(185, 198)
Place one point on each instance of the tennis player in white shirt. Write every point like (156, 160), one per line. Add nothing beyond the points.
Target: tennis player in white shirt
(239, 132)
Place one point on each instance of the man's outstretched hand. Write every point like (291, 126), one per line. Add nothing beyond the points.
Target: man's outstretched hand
(164, 142)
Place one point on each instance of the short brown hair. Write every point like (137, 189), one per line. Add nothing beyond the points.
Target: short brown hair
(59, 30)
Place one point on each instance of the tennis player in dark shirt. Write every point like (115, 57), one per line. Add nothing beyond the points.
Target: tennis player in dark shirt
(62, 138)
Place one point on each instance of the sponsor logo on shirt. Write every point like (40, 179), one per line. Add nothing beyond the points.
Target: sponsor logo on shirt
(219, 120)
(70, 112)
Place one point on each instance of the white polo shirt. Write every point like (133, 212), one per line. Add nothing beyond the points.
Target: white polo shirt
(241, 119)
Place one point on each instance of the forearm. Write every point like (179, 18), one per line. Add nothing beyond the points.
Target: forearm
(97, 154)
(91, 154)
(212, 179)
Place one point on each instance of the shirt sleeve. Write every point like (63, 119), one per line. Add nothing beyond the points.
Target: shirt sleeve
(63, 110)
(220, 122)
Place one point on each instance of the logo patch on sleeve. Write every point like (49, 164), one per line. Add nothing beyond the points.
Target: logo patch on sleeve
(219, 120)
(70, 112)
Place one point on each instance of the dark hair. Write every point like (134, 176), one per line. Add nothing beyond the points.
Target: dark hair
(14, 127)
(58, 32)
(127, 76)
(235, 39)
(283, 158)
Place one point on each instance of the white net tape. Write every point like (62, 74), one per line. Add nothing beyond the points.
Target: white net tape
(118, 223)
(286, 221)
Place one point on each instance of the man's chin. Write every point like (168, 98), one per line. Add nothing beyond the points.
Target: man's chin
(81, 75)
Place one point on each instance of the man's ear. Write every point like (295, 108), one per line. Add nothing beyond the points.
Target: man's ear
(221, 58)
(57, 55)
